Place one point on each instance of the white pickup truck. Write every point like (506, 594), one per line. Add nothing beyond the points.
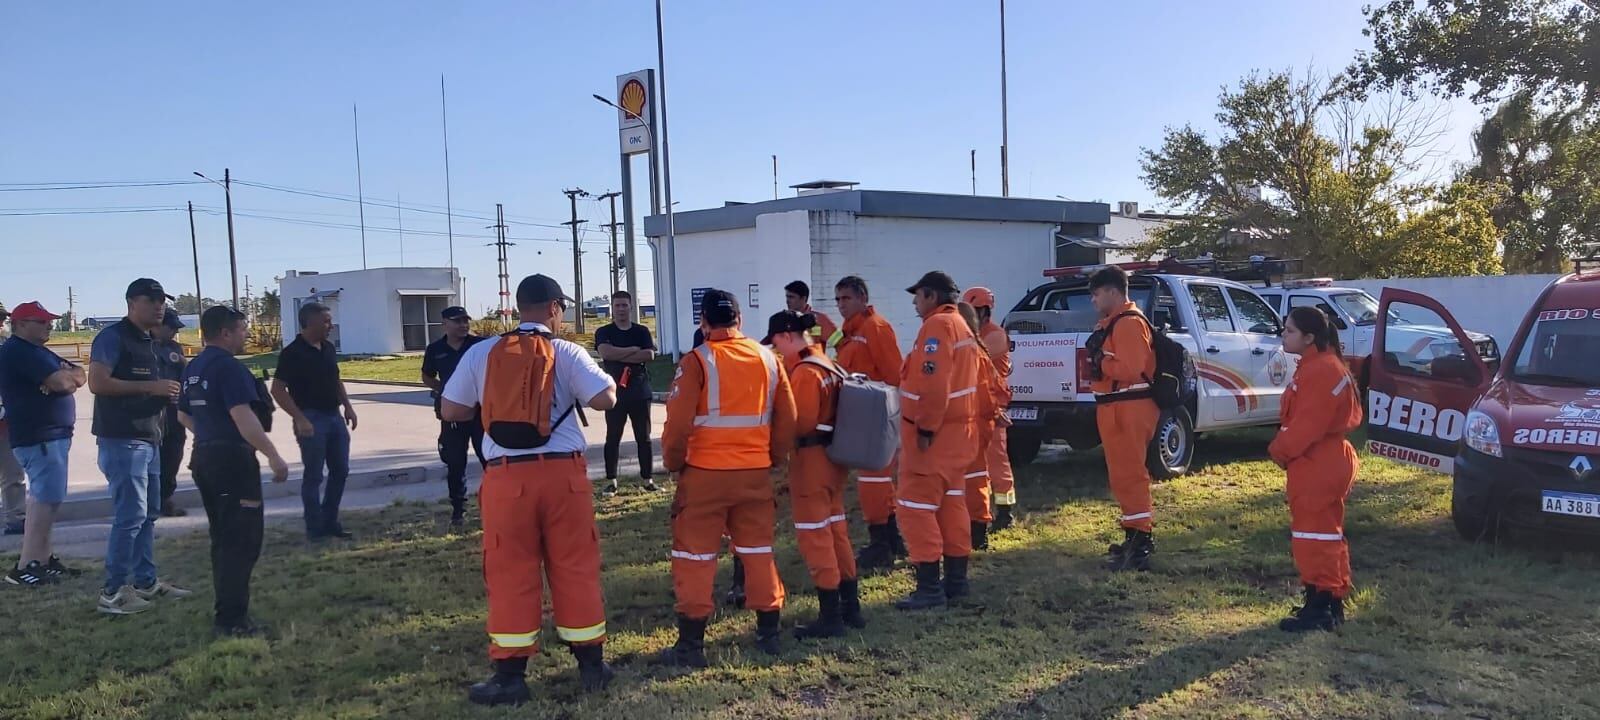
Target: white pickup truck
(1231, 333)
(1416, 340)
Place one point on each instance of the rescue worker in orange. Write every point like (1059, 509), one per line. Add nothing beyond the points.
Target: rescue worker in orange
(940, 405)
(997, 343)
(538, 511)
(993, 397)
(1126, 412)
(730, 424)
(1320, 407)
(797, 298)
(868, 346)
(816, 484)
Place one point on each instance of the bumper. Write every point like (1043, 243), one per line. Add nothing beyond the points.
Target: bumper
(1513, 488)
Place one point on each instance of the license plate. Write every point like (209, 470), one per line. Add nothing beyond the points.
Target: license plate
(1565, 503)
(1032, 413)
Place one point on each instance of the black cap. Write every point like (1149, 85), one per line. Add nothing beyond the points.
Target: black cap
(719, 308)
(536, 289)
(171, 320)
(785, 321)
(145, 287)
(937, 281)
(453, 312)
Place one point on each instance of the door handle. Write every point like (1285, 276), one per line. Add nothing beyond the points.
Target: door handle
(1258, 351)
(1213, 350)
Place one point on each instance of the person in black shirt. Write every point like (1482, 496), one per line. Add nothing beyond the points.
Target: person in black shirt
(624, 349)
(438, 364)
(308, 388)
(170, 354)
(219, 403)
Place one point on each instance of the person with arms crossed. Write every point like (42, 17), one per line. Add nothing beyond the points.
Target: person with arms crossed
(439, 362)
(221, 404)
(538, 506)
(130, 404)
(173, 436)
(625, 347)
(308, 388)
(36, 388)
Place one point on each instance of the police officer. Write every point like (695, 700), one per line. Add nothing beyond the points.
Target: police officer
(170, 354)
(224, 406)
(439, 362)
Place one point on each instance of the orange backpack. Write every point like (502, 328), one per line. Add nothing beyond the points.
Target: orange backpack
(518, 390)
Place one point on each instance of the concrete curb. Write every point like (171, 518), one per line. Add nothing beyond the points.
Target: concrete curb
(389, 383)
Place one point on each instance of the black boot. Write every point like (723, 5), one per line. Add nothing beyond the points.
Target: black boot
(929, 593)
(955, 577)
(879, 551)
(690, 650)
(896, 542)
(769, 637)
(1002, 518)
(592, 667)
(830, 619)
(735, 596)
(507, 686)
(458, 512)
(980, 536)
(850, 603)
(1317, 614)
(1136, 552)
(1115, 551)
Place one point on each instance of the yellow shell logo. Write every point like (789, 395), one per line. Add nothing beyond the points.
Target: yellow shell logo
(633, 96)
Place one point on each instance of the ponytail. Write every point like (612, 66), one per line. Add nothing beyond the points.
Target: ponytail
(1315, 322)
(969, 314)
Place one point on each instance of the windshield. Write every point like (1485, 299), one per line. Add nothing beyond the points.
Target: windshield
(1561, 351)
(1363, 308)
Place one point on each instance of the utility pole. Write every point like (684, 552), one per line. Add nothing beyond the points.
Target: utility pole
(449, 215)
(72, 310)
(774, 177)
(1005, 133)
(974, 172)
(233, 258)
(361, 199)
(612, 196)
(577, 254)
(505, 275)
(194, 248)
(249, 303)
(666, 182)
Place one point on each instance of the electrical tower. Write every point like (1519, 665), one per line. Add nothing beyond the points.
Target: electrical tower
(577, 254)
(501, 244)
(612, 196)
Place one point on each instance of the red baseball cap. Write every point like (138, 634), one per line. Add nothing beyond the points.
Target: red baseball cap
(32, 311)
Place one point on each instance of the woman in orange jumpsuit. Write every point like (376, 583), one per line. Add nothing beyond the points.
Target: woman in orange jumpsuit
(994, 396)
(1320, 407)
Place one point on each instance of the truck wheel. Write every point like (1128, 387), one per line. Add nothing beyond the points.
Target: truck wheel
(1172, 448)
(1022, 446)
(1474, 521)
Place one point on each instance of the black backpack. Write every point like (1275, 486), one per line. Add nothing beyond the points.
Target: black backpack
(1172, 364)
(263, 406)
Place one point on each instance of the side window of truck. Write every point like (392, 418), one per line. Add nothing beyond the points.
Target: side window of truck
(1311, 301)
(1166, 313)
(1273, 299)
(1212, 308)
(1257, 318)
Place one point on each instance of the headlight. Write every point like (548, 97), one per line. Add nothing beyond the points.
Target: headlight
(1482, 434)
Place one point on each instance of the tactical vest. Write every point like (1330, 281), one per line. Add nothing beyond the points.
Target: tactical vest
(131, 417)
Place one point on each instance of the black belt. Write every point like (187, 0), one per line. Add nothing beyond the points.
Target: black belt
(538, 457)
(223, 444)
(1107, 399)
(814, 440)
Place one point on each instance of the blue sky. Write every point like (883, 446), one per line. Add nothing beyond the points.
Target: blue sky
(893, 94)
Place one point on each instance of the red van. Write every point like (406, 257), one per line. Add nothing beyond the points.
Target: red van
(1521, 436)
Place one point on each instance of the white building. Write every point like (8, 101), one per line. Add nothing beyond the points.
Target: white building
(1129, 227)
(376, 311)
(888, 238)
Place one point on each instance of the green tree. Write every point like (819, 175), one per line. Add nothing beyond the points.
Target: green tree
(187, 304)
(271, 305)
(1486, 48)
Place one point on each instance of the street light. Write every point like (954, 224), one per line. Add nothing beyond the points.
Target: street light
(233, 258)
(672, 280)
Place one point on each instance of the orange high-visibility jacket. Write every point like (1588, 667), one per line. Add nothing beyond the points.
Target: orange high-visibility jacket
(870, 348)
(941, 382)
(1322, 403)
(730, 408)
(998, 343)
(1129, 361)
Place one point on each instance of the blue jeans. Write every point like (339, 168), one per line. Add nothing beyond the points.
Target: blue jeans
(328, 445)
(133, 471)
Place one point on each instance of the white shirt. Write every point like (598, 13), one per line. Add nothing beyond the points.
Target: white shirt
(577, 379)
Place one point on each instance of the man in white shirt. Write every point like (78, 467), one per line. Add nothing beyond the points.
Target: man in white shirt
(538, 507)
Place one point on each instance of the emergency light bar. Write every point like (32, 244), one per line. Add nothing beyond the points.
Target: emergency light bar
(1307, 283)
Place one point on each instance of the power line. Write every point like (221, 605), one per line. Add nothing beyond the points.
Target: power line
(103, 211)
(34, 187)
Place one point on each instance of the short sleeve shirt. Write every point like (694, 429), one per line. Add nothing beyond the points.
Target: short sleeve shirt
(214, 384)
(441, 359)
(311, 374)
(32, 415)
(577, 380)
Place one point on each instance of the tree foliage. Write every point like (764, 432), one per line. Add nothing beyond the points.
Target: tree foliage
(188, 304)
(1298, 172)
(1489, 49)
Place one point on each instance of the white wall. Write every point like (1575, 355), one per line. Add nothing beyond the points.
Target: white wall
(367, 309)
(1128, 232)
(1494, 304)
(724, 259)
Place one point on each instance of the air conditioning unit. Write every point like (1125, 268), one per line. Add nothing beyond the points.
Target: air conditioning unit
(1128, 209)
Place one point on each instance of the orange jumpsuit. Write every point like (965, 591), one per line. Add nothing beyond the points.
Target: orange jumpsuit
(1320, 407)
(816, 485)
(993, 396)
(1126, 426)
(1001, 479)
(730, 421)
(869, 347)
(825, 330)
(940, 392)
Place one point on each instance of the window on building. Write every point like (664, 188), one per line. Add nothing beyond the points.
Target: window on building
(419, 319)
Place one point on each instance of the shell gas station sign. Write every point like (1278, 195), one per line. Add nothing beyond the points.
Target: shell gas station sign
(635, 118)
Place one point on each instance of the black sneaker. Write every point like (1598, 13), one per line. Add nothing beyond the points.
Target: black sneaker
(171, 509)
(55, 568)
(245, 629)
(610, 490)
(33, 574)
(651, 486)
(458, 517)
(341, 534)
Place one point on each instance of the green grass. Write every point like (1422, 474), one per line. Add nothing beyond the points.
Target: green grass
(401, 369)
(391, 627)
